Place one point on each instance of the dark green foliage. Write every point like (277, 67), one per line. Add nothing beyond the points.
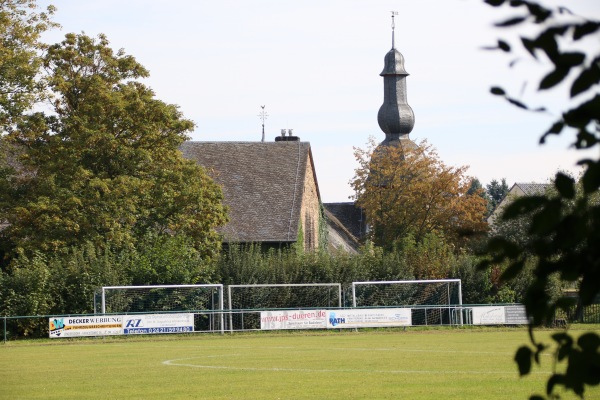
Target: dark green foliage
(477, 287)
(428, 259)
(105, 165)
(497, 191)
(65, 282)
(559, 232)
(21, 25)
(247, 264)
(167, 260)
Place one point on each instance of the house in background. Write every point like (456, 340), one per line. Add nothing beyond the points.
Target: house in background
(517, 190)
(270, 188)
(346, 226)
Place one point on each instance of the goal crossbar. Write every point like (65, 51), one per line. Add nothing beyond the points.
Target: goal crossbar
(215, 286)
(424, 281)
(283, 285)
(245, 300)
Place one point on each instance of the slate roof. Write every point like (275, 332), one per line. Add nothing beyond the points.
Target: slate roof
(339, 237)
(262, 185)
(517, 189)
(533, 188)
(350, 216)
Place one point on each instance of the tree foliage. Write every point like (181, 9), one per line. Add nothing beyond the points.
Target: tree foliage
(409, 191)
(564, 228)
(20, 29)
(496, 191)
(104, 165)
(65, 281)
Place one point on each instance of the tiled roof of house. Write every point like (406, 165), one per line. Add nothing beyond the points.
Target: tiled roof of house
(350, 216)
(262, 186)
(518, 189)
(339, 237)
(533, 188)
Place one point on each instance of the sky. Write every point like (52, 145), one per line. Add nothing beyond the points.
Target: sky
(315, 64)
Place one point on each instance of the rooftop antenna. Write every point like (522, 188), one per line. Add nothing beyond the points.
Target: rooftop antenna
(394, 13)
(263, 115)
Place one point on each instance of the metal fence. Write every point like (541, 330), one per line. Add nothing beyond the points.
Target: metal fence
(218, 321)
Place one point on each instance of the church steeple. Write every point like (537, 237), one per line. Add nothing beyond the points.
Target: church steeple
(396, 119)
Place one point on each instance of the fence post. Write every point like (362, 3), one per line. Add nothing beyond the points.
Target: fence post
(5, 329)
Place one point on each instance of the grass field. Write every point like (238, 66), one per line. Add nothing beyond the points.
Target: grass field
(376, 364)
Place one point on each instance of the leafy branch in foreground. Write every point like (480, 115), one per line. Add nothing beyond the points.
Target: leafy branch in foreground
(564, 228)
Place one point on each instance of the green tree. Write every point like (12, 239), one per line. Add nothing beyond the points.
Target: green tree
(104, 166)
(496, 191)
(564, 228)
(20, 29)
(409, 191)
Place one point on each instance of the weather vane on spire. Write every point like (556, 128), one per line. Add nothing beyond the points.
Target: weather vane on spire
(263, 115)
(394, 13)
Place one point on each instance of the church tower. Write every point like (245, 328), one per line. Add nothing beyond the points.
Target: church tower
(396, 119)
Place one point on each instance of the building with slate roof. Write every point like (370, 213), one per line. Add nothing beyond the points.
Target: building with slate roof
(346, 226)
(518, 190)
(270, 189)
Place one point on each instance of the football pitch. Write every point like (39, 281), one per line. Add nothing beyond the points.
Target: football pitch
(369, 364)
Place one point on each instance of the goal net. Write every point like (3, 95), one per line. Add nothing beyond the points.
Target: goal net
(206, 299)
(436, 301)
(242, 299)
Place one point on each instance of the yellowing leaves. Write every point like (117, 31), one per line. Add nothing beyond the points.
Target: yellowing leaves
(408, 190)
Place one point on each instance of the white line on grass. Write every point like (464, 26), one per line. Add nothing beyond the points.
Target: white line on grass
(382, 349)
(179, 362)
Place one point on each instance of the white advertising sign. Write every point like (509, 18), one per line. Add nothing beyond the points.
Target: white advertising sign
(500, 315)
(157, 323)
(516, 315)
(488, 315)
(334, 319)
(369, 318)
(65, 327)
(295, 319)
(86, 326)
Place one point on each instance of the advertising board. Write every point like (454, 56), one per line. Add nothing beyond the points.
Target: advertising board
(369, 318)
(65, 327)
(500, 315)
(334, 319)
(157, 323)
(515, 315)
(295, 319)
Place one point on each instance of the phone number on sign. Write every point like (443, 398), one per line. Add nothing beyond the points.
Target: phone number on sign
(170, 329)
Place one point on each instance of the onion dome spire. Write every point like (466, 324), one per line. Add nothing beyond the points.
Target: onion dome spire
(396, 119)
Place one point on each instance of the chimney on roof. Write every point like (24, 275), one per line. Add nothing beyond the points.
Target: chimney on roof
(288, 138)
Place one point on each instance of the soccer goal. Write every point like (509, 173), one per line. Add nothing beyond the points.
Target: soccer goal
(206, 300)
(437, 301)
(242, 299)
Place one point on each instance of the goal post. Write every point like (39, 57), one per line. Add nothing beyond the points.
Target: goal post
(165, 298)
(424, 296)
(242, 298)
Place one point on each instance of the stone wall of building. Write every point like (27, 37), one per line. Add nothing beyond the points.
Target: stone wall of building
(310, 212)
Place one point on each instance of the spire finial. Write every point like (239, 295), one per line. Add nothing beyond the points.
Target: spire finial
(263, 115)
(394, 13)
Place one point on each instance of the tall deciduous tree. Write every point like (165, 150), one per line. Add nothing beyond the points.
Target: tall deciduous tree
(563, 235)
(104, 166)
(410, 191)
(20, 29)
